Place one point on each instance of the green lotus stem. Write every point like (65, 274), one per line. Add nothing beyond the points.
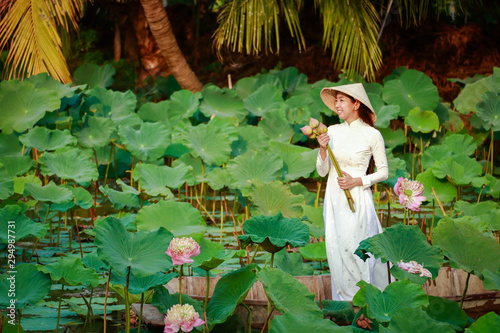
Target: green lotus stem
(140, 314)
(207, 292)
(347, 193)
(19, 322)
(127, 305)
(316, 201)
(59, 309)
(180, 284)
(132, 170)
(291, 136)
(36, 242)
(106, 299)
(465, 291)
(107, 167)
(114, 160)
(249, 318)
(492, 147)
(221, 217)
(421, 153)
(272, 259)
(254, 253)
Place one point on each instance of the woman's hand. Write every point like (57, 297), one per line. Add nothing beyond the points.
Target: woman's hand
(323, 140)
(347, 182)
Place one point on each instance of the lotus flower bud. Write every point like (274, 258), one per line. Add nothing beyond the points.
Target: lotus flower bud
(322, 128)
(313, 123)
(307, 130)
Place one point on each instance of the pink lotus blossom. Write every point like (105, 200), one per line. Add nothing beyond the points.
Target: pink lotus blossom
(182, 249)
(414, 268)
(307, 130)
(181, 317)
(409, 193)
(313, 123)
(322, 128)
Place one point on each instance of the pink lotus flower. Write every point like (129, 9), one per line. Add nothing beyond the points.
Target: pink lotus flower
(313, 123)
(182, 249)
(409, 193)
(322, 128)
(307, 130)
(181, 317)
(414, 268)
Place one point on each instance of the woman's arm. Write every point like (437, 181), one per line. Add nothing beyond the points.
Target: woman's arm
(380, 158)
(323, 163)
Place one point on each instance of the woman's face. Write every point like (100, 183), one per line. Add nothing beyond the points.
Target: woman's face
(346, 108)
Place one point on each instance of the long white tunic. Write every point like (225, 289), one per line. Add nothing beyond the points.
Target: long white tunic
(353, 145)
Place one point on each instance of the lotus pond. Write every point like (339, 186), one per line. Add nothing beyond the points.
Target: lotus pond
(95, 183)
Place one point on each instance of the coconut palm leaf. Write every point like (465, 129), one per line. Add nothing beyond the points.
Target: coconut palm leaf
(32, 27)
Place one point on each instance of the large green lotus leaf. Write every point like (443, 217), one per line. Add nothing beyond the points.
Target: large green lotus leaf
(245, 86)
(268, 78)
(222, 103)
(127, 188)
(396, 165)
(23, 105)
(393, 138)
(275, 232)
(445, 191)
(493, 187)
(143, 251)
(422, 121)
(460, 143)
(230, 291)
(276, 126)
(94, 75)
(292, 263)
(139, 285)
(148, 142)
(297, 161)
(228, 125)
(490, 322)
(434, 154)
(11, 166)
(97, 133)
(7, 327)
(316, 105)
(488, 110)
(406, 243)
(44, 139)
(250, 139)
(180, 218)
(155, 112)
(195, 165)
(299, 323)
(20, 182)
(210, 143)
(471, 95)
(476, 209)
(296, 112)
(415, 321)
(31, 286)
(21, 228)
(386, 114)
(211, 254)
(164, 301)
(116, 105)
(128, 221)
(272, 198)
(42, 80)
(397, 296)
(267, 98)
(491, 280)
(217, 178)
(83, 198)
(466, 247)
(314, 251)
(183, 104)
(10, 145)
(339, 310)
(49, 193)
(288, 77)
(297, 188)
(313, 217)
(156, 180)
(245, 169)
(70, 272)
(6, 189)
(447, 311)
(119, 199)
(71, 163)
(460, 168)
(92, 260)
(278, 286)
(412, 89)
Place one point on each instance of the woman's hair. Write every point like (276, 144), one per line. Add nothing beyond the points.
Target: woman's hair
(364, 112)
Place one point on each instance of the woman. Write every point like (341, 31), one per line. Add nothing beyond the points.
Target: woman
(353, 142)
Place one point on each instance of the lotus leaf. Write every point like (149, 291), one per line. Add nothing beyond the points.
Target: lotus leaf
(195, 164)
(316, 104)
(97, 133)
(228, 125)
(141, 285)
(299, 189)
(180, 218)
(210, 143)
(6, 327)
(183, 104)
(230, 291)
(447, 311)
(78, 305)
(268, 78)
(288, 77)
(217, 178)
(148, 142)
(276, 126)
(393, 138)
(411, 89)
(417, 321)
(115, 104)
(6, 189)
(44, 139)
(70, 163)
(94, 75)
(245, 169)
(275, 232)
(472, 94)
(156, 112)
(486, 323)
(278, 284)
(83, 198)
(297, 161)
(143, 252)
(211, 254)
(11, 166)
(245, 86)
(9, 144)
(298, 323)
(434, 154)
(23, 105)
(24, 227)
(42, 80)
(406, 243)
(459, 241)
(315, 218)
(92, 260)
(493, 187)
(20, 182)
(396, 165)
(70, 272)
(292, 263)
(314, 251)
(296, 112)
(49, 193)
(422, 121)
(267, 98)
(127, 188)
(121, 200)
(222, 103)
(397, 296)
(488, 110)
(445, 191)
(460, 143)
(491, 280)
(386, 114)
(31, 286)
(163, 301)
(272, 198)
(128, 221)
(339, 310)
(250, 139)
(156, 180)
(460, 168)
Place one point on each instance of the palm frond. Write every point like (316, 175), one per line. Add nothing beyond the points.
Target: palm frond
(412, 12)
(350, 30)
(248, 25)
(30, 30)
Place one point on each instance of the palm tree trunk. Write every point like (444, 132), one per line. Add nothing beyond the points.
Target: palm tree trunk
(165, 39)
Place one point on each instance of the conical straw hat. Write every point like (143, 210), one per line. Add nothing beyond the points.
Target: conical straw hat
(355, 90)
